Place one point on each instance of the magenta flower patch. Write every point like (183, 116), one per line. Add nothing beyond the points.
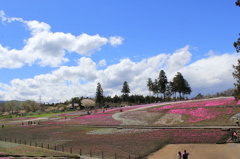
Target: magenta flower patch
(217, 102)
(96, 119)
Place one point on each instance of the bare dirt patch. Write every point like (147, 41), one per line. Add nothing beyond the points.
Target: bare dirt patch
(170, 119)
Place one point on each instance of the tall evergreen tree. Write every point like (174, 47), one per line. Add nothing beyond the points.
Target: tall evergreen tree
(99, 95)
(150, 85)
(237, 43)
(116, 99)
(180, 85)
(162, 83)
(237, 3)
(125, 90)
(155, 87)
(186, 89)
(169, 90)
(236, 75)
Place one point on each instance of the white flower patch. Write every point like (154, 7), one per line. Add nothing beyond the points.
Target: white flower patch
(116, 131)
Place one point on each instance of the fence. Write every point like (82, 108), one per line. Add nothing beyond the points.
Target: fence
(68, 149)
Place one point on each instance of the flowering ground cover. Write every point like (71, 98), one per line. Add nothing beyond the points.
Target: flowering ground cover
(201, 112)
(94, 119)
(192, 104)
(203, 116)
(205, 112)
(122, 143)
(97, 119)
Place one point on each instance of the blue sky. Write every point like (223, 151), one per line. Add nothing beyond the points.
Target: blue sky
(61, 48)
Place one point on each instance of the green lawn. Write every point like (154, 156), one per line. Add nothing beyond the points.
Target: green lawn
(13, 149)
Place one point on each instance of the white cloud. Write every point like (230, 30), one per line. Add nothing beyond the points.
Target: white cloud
(46, 48)
(211, 74)
(102, 63)
(116, 40)
(207, 75)
(85, 44)
(179, 59)
(210, 53)
(37, 27)
(2, 15)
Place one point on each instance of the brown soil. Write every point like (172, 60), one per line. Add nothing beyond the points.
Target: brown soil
(199, 151)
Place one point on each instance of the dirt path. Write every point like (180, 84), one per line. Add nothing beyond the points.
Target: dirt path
(199, 151)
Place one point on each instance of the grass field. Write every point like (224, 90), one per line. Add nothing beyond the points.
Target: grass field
(8, 149)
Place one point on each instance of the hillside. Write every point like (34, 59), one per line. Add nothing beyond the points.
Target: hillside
(181, 122)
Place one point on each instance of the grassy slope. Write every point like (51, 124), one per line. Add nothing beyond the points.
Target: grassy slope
(14, 149)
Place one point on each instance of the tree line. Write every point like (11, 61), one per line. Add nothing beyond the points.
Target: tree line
(167, 89)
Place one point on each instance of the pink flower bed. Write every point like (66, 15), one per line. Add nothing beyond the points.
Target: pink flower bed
(99, 119)
(186, 135)
(238, 102)
(217, 102)
(200, 114)
(94, 119)
(198, 136)
(114, 110)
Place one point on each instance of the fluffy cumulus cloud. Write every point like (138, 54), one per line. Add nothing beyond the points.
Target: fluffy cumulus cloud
(46, 48)
(102, 63)
(116, 40)
(211, 74)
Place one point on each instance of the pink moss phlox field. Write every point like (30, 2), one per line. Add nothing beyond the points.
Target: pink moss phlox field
(102, 119)
(114, 110)
(187, 136)
(198, 136)
(217, 102)
(200, 114)
(93, 119)
(238, 102)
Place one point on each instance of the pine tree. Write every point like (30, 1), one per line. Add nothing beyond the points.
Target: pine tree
(99, 95)
(162, 83)
(181, 85)
(150, 85)
(237, 43)
(236, 75)
(125, 90)
(237, 3)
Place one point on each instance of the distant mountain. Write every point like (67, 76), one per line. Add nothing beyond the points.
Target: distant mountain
(1, 101)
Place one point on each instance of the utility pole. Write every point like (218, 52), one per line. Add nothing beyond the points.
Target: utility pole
(40, 101)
